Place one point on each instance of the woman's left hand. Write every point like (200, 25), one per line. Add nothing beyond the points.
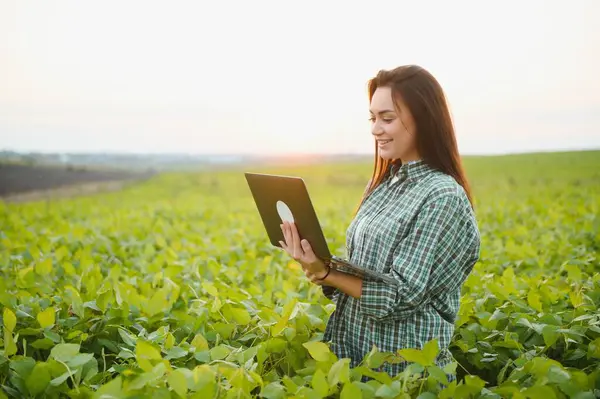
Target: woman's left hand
(314, 268)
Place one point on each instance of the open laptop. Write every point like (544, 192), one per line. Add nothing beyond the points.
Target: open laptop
(280, 198)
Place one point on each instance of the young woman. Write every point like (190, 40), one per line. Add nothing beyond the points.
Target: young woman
(415, 222)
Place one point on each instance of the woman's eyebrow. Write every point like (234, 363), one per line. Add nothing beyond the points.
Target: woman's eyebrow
(383, 111)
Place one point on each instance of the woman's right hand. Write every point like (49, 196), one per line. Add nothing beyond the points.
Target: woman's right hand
(302, 252)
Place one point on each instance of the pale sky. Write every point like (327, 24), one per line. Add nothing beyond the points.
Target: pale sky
(276, 76)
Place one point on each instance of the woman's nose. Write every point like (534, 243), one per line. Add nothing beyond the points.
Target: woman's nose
(376, 129)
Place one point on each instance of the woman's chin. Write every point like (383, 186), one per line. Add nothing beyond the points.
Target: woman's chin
(387, 155)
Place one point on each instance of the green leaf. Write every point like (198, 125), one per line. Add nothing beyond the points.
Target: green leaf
(210, 288)
(339, 372)
(508, 280)
(351, 391)
(42, 343)
(103, 300)
(200, 343)
(47, 318)
(577, 298)
(374, 359)
(146, 354)
(380, 376)
(414, 369)
(177, 381)
(276, 345)
(389, 390)
(539, 392)
(533, 299)
(430, 351)
(285, 317)
(79, 360)
(319, 383)
(474, 381)
(202, 356)
(64, 352)
(39, 378)
(10, 348)
(22, 367)
(61, 253)
(584, 395)
(219, 352)
(413, 355)
(128, 338)
(550, 334)
(51, 335)
(176, 352)
(241, 316)
(438, 374)
(204, 379)
(110, 390)
(318, 350)
(126, 354)
(594, 349)
(557, 375)
(44, 267)
(10, 320)
(158, 303)
(169, 341)
(274, 390)
(574, 273)
(450, 368)
(75, 300)
(62, 378)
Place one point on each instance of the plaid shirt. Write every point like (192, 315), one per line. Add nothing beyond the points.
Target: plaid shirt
(418, 227)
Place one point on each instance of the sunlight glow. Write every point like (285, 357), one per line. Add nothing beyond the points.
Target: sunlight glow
(272, 77)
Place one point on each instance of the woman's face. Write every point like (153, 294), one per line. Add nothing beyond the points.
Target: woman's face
(395, 133)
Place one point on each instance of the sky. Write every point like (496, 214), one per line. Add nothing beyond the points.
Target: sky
(276, 77)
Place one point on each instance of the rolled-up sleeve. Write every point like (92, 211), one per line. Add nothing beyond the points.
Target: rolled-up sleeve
(436, 256)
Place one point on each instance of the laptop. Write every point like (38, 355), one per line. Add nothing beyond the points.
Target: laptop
(280, 198)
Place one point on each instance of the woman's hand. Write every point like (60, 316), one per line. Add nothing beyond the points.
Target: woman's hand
(314, 268)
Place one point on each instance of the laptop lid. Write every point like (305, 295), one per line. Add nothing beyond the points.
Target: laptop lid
(281, 198)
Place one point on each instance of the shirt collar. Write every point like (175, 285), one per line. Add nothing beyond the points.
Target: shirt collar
(412, 170)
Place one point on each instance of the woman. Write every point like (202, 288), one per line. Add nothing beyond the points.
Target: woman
(415, 222)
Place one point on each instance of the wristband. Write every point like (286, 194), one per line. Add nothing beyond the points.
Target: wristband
(326, 274)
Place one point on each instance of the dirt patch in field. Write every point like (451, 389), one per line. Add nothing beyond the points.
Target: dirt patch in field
(19, 183)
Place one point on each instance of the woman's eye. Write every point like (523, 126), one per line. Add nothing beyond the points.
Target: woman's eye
(386, 120)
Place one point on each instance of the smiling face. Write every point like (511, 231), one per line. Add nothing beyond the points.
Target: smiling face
(393, 127)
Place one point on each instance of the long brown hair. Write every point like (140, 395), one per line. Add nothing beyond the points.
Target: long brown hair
(435, 138)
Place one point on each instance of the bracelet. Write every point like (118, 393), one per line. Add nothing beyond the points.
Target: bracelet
(326, 274)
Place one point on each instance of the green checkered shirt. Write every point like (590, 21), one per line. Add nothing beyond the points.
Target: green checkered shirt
(419, 228)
